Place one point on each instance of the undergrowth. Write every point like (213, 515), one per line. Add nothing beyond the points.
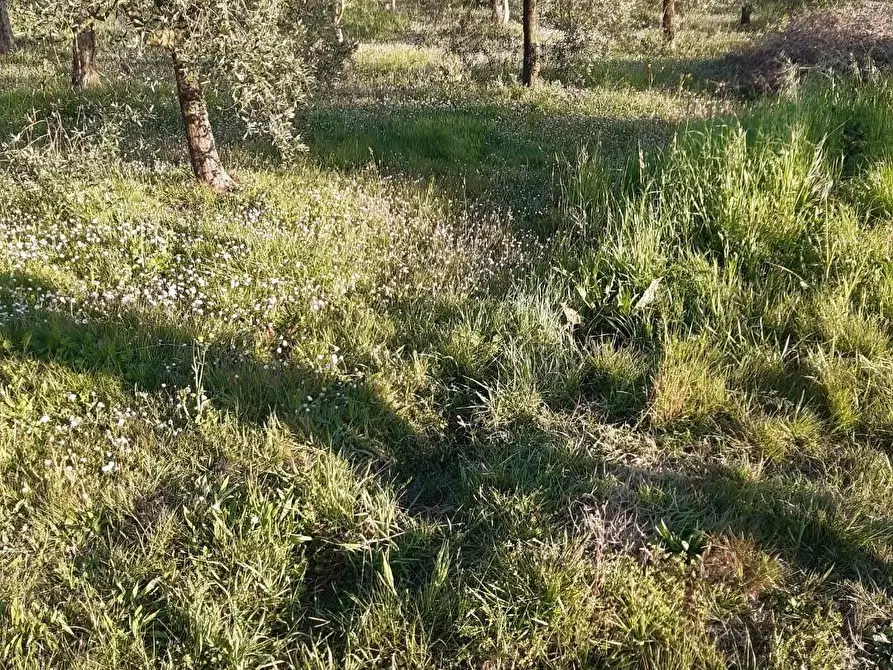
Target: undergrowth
(481, 400)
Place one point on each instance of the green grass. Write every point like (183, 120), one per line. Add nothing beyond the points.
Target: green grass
(572, 378)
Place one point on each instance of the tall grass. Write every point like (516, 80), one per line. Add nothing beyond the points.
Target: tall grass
(752, 238)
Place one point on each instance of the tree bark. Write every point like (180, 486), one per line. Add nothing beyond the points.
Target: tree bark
(746, 10)
(501, 12)
(203, 156)
(668, 20)
(340, 6)
(392, 5)
(531, 70)
(84, 74)
(7, 43)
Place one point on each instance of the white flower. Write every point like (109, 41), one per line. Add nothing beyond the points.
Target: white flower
(109, 467)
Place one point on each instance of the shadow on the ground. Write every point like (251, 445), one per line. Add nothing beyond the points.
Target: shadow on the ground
(490, 487)
(445, 476)
(784, 513)
(507, 153)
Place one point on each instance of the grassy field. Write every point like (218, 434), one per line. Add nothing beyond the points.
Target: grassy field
(591, 376)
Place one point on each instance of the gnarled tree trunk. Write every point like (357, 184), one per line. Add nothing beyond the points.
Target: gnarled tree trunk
(7, 43)
(83, 58)
(746, 11)
(203, 154)
(668, 20)
(531, 70)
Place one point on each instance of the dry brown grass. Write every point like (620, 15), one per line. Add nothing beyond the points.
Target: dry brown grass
(855, 36)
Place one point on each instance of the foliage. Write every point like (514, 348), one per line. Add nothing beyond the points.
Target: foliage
(270, 54)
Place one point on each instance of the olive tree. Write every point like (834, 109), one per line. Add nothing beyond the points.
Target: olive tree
(531, 66)
(76, 20)
(84, 16)
(500, 12)
(267, 56)
(668, 20)
(7, 43)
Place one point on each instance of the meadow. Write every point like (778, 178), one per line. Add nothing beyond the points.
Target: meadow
(594, 375)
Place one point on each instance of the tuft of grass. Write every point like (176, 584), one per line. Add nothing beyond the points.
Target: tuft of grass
(689, 386)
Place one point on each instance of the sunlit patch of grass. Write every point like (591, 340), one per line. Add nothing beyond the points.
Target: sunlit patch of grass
(690, 384)
(878, 190)
(780, 438)
(398, 62)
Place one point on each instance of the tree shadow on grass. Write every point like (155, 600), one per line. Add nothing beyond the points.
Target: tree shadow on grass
(348, 419)
(151, 355)
(494, 486)
(785, 514)
(506, 152)
(667, 74)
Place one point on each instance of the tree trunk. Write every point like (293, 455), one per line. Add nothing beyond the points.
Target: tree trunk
(339, 16)
(392, 5)
(531, 70)
(83, 58)
(506, 12)
(668, 20)
(199, 138)
(496, 14)
(746, 10)
(7, 43)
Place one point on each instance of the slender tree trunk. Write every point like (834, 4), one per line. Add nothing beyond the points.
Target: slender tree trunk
(199, 138)
(83, 58)
(392, 5)
(7, 43)
(506, 12)
(496, 14)
(746, 10)
(339, 16)
(668, 20)
(531, 70)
